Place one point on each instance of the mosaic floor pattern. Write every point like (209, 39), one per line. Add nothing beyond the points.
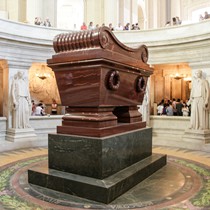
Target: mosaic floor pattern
(184, 184)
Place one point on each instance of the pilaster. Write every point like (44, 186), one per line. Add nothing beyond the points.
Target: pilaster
(155, 14)
(148, 15)
(134, 11)
(3, 4)
(94, 11)
(33, 9)
(162, 16)
(111, 16)
(127, 10)
(121, 12)
(175, 8)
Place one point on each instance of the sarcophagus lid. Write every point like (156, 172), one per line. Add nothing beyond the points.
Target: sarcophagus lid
(93, 68)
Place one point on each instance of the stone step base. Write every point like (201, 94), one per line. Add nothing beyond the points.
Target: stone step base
(105, 190)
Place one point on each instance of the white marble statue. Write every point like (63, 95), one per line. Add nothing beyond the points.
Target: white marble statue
(21, 102)
(144, 107)
(199, 100)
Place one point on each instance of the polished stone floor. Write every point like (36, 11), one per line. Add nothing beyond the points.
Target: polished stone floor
(184, 184)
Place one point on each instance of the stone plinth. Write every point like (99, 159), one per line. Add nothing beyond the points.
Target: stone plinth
(197, 136)
(104, 190)
(100, 169)
(98, 157)
(3, 128)
(20, 135)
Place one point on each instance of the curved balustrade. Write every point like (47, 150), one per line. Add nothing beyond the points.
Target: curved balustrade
(163, 43)
(22, 44)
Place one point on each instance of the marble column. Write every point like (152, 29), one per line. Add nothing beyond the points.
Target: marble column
(134, 11)
(3, 9)
(157, 13)
(112, 15)
(127, 11)
(3, 4)
(50, 11)
(148, 10)
(94, 11)
(121, 12)
(162, 16)
(175, 8)
(22, 11)
(168, 10)
(33, 9)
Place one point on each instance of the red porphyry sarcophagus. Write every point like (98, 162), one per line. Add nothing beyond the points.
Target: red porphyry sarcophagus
(101, 81)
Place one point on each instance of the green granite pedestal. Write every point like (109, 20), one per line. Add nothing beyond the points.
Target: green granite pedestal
(99, 169)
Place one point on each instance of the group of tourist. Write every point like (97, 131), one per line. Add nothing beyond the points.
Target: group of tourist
(46, 22)
(174, 107)
(119, 27)
(39, 109)
(175, 21)
(197, 107)
(205, 16)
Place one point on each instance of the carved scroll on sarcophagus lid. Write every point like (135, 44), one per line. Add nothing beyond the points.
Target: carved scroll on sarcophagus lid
(100, 43)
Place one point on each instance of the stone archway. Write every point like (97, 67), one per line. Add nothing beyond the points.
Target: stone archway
(170, 81)
(43, 87)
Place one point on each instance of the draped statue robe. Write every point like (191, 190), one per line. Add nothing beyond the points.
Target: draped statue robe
(20, 103)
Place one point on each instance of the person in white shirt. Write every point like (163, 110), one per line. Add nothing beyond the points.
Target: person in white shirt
(160, 108)
(185, 110)
(119, 27)
(39, 110)
(91, 26)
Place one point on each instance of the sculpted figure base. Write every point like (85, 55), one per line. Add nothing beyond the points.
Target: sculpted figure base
(19, 135)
